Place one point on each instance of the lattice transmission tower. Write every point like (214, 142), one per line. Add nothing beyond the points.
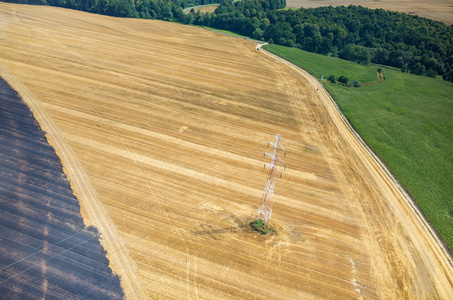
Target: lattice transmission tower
(265, 208)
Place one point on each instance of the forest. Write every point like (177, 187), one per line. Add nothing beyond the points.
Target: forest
(410, 43)
(168, 10)
(407, 42)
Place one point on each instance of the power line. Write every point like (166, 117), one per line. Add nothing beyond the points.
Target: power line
(265, 208)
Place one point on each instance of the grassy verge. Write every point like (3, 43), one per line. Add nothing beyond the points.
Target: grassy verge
(231, 33)
(406, 119)
(227, 32)
(288, 8)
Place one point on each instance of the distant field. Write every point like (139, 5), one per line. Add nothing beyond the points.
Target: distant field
(206, 9)
(441, 10)
(406, 119)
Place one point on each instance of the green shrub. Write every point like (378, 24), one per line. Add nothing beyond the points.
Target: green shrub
(406, 120)
(355, 83)
(343, 79)
(259, 226)
(332, 79)
(431, 73)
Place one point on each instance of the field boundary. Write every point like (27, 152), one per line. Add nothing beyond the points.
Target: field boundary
(117, 252)
(409, 200)
(199, 6)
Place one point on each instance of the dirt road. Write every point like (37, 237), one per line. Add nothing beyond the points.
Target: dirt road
(169, 124)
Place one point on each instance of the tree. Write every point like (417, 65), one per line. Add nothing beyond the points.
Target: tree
(343, 79)
(334, 51)
(255, 23)
(332, 79)
(188, 19)
(395, 58)
(431, 73)
(316, 42)
(264, 23)
(355, 83)
(418, 69)
(326, 45)
(356, 53)
(448, 75)
(289, 43)
(381, 56)
(178, 14)
(298, 30)
(282, 41)
(167, 13)
(258, 34)
(199, 18)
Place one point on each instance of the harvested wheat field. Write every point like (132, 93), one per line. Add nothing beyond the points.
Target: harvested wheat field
(205, 9)
(42, 233)
(161, 130)
(440, 10)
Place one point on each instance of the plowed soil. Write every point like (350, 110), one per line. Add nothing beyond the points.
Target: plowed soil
(42, 234)
(440, 10)
(161, 129)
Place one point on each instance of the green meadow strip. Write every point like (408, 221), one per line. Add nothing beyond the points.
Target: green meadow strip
(406, 119)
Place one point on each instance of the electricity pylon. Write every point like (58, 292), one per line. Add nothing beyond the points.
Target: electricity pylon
(265, 208)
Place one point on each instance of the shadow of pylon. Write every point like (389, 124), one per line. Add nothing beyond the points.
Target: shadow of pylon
(211, 230)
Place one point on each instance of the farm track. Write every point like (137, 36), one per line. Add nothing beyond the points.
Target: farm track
(166, 126)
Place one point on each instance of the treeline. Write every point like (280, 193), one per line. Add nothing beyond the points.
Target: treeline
(169, 10)
(244, 17)
(411, 43)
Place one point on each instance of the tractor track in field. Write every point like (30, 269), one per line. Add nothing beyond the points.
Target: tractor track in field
(380, 164)
(85, 192)
(163, 149)
(405, 202)
(42, 231)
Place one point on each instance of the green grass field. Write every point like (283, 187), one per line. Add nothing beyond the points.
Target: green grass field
(406, 119)
(288, 8)
(226, 32)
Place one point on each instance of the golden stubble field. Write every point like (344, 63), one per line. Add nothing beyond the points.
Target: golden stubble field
(440, 10)
(161, 129)
(206, 9)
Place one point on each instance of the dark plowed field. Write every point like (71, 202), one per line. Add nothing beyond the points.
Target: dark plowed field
(45, 250)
